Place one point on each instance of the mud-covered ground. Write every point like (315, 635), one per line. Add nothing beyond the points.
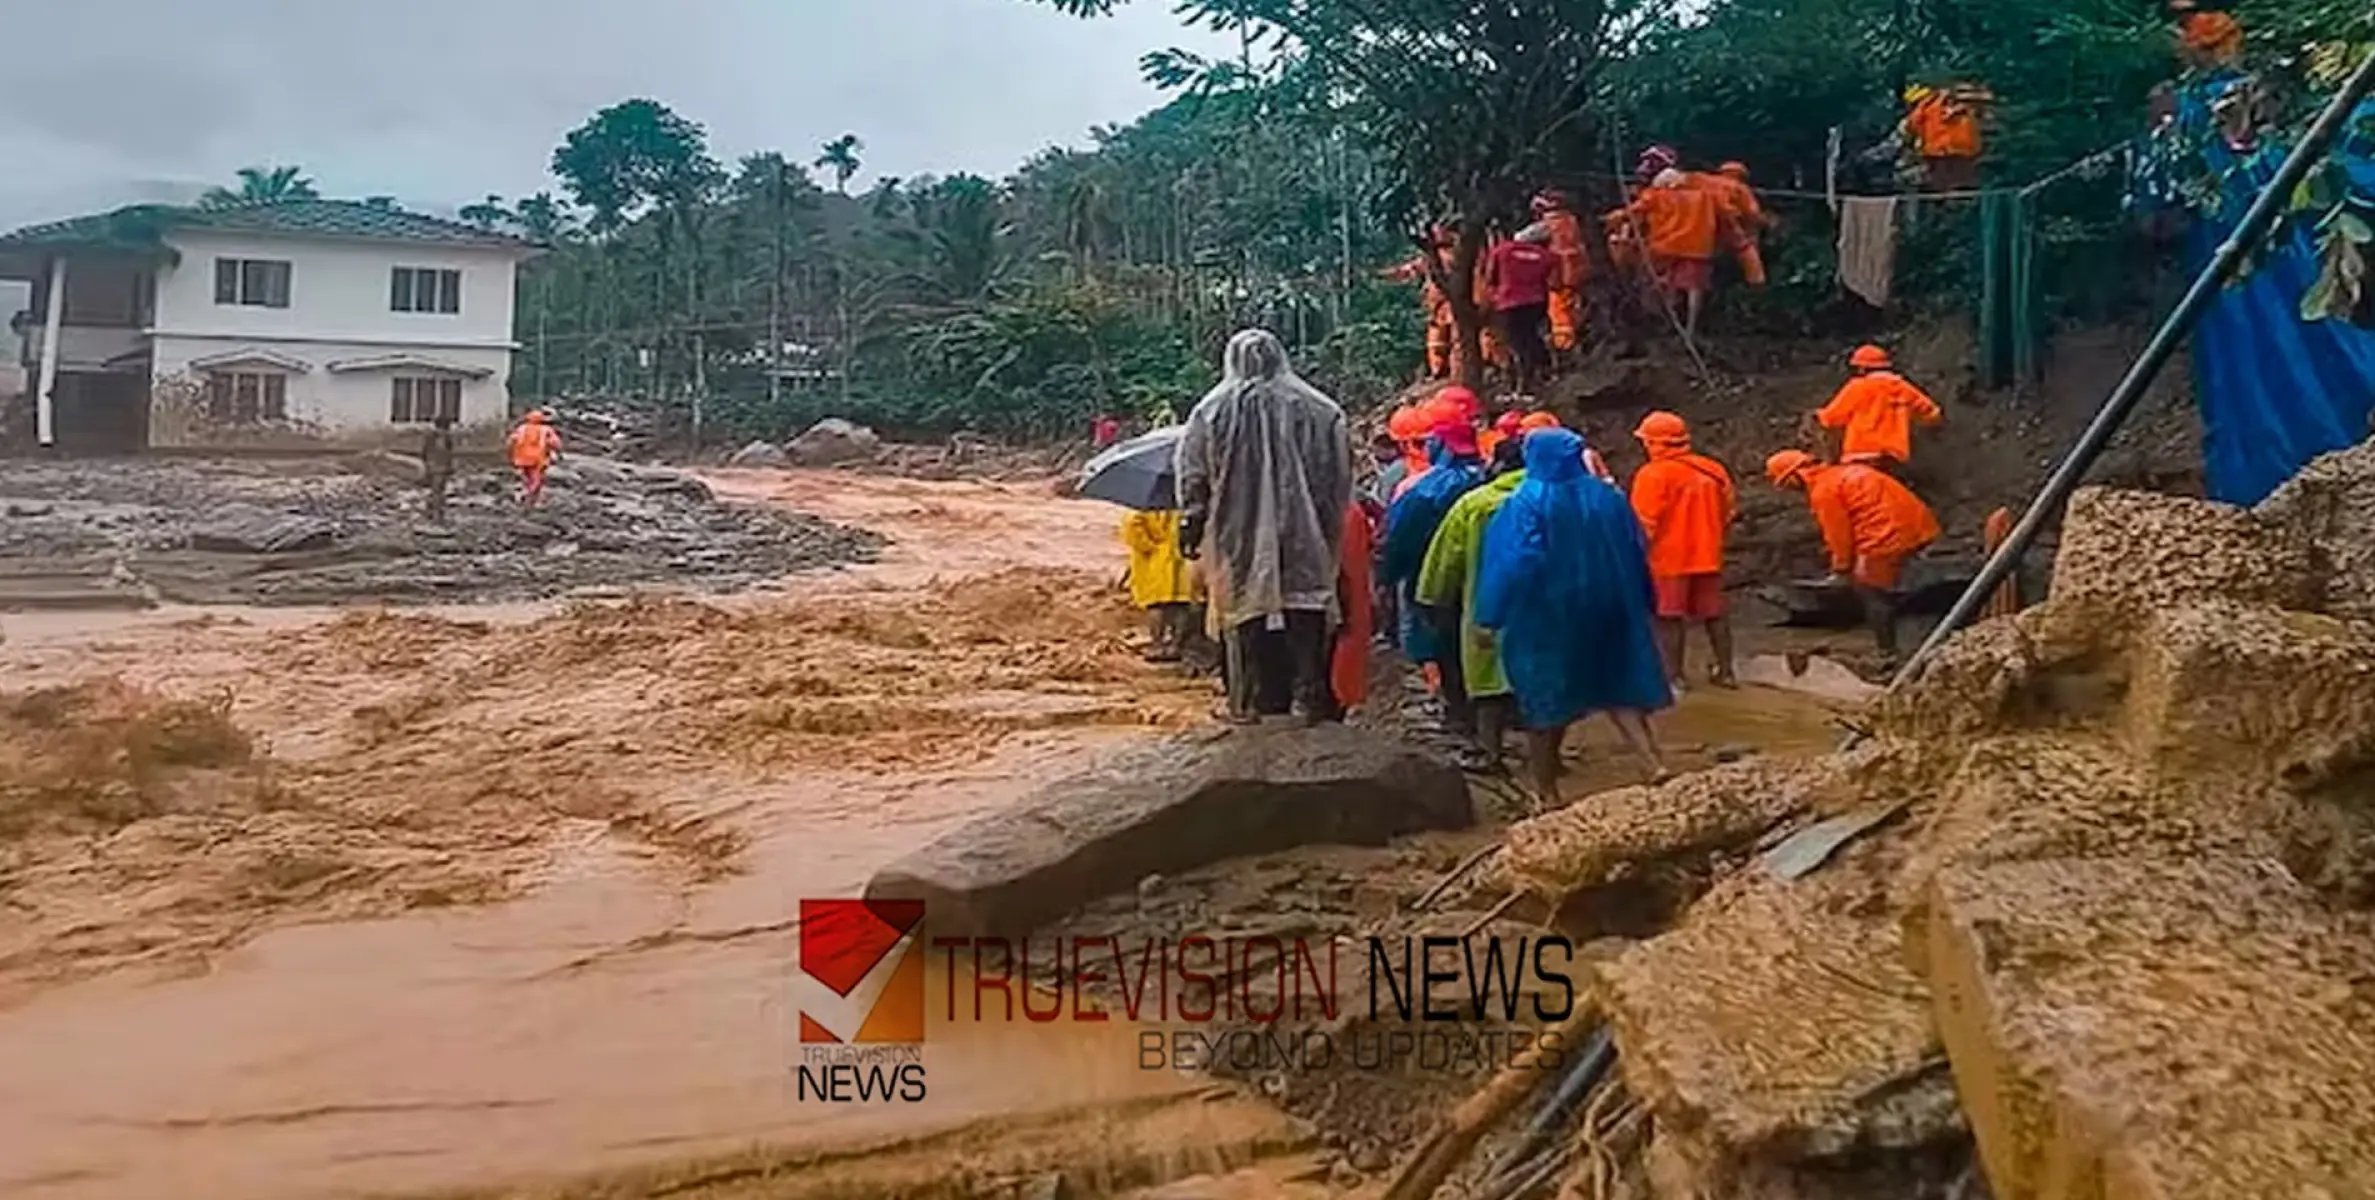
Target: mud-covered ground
(357, 530)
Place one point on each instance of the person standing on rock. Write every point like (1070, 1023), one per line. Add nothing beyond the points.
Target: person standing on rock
(437, 464)
(1566, 594)
(535, 446)
(1265, 476)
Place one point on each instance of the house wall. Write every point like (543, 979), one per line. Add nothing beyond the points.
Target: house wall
(325, 407)
(338, 292)
(338, 310)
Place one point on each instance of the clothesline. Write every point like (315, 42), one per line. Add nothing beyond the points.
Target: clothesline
(2027, 189)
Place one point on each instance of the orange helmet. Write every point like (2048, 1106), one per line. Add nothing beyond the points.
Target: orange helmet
(536, 416)
(1408, 424)
(1786, 466)
(1663, 427)
(1869, 358)
(1736, 169)
(1539, 420)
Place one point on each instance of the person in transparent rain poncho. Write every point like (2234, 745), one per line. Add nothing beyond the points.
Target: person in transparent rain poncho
(1265, 474)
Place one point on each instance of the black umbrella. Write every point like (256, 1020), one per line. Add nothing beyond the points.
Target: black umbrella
(1138, 473)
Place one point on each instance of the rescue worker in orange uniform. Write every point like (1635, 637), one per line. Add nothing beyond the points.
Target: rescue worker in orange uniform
(1442, 334)
(1566, 283)
(1871, 525)
(2207, 36)
(1682, 225)
(1744, 218)
(534, 447)
(1876, 411)
(1508, 425)
(1686, 503)
(1942, 127)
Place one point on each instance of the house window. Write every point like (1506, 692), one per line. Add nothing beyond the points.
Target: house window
(424, 290)
(420, 401)
(252, 282)
(247, 398)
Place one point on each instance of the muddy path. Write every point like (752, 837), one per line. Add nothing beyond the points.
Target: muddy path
(305, 902)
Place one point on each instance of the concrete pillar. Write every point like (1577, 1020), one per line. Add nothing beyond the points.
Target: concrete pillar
(44, 404)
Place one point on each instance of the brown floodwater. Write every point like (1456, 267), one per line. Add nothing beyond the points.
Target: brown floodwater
(621, 1000)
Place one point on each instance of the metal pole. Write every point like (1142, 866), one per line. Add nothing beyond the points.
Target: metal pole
(45, 387)
(2180, 322)
(775, 299)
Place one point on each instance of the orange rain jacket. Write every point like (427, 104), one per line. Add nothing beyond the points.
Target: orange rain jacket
(1877, 410)
(533, 444)
(1865, 514)
(1944, 127)
(1566, 242)
(1680, 222)
(1685, 502)
(1737, 200)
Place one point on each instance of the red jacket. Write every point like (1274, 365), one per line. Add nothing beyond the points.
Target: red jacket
(1521, 273)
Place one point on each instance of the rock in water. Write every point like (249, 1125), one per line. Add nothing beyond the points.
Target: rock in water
(387, 464)
(248, 530)
(1169, 806)
(759, 454)
(832, 441)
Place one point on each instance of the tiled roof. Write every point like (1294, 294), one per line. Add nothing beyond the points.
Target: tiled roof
(142, 225)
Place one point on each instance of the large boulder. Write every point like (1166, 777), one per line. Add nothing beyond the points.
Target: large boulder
(387, 464)
(833, 441)
(759, 454)
(245, 529)
(1169, 806)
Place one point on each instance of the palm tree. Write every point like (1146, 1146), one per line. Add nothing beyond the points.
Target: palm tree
(263, 185)
(841, 158)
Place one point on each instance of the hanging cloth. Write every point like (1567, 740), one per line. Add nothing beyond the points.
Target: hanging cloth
(1868, 246)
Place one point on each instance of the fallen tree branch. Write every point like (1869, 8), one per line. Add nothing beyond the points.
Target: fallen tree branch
(1452, 1143)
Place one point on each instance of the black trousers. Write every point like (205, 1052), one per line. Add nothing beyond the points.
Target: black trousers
(1272, 672)
(1523, 329)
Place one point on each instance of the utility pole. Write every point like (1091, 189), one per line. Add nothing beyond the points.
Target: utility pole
(775, 300)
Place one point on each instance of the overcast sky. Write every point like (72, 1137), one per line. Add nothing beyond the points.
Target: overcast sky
(438, 102)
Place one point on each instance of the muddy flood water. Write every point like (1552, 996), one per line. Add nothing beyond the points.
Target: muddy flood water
(318, 902)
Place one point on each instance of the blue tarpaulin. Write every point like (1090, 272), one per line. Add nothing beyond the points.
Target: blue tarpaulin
(2275, 391)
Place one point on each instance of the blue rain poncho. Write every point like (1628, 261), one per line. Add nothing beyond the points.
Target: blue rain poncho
(1565, 587)
(1410, 527)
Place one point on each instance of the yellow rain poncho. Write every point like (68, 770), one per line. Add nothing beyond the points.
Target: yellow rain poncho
(1159, 573)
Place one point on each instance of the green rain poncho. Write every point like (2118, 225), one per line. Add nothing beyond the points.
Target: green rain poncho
(1449, 577)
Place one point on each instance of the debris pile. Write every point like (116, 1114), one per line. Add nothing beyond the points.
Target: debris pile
(2101, 921)
(326, 531)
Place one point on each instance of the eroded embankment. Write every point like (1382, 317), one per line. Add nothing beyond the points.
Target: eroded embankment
(2106, 931)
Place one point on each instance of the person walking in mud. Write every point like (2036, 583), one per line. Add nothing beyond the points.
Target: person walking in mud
(1565, 595)
(1265, 475)
(535, 446)
(437, 465)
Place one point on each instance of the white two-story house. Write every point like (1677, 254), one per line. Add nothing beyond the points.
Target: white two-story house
(303, 323)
